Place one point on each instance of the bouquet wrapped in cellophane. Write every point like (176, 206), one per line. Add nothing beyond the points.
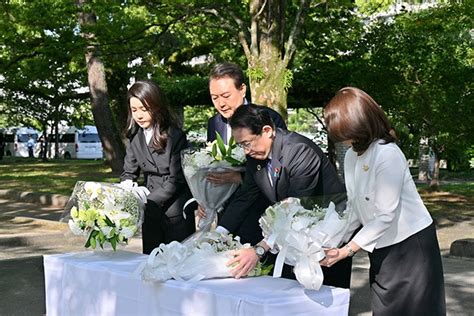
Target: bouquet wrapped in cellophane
(198, 163)
(195, 259)
(300, 235)
(104, 213)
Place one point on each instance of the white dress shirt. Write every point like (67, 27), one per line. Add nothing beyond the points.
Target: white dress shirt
(382, 197)
(148, 134)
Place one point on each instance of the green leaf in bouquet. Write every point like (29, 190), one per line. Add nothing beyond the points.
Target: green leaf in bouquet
(232, 143)
(93, 241)
(266, 269)
(214, 151)
(88, 242)
(113, 242)
(232, 161)
(101, 237)
(109, 222)
(220, 143)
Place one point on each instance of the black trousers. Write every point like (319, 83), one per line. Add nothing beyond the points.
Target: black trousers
(158, 228)
(407, 278)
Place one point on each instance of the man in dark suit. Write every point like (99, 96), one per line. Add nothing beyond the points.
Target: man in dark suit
(227, 89)
(280, 164)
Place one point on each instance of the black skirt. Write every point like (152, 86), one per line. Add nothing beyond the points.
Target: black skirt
(407, 278)
(158, 228)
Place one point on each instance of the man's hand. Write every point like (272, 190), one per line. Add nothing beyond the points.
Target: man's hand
(244, 260)
(201, 212)
(220, 178)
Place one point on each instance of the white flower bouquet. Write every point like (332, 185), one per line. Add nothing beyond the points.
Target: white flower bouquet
(300, 235)
(104, 213)
(195, 260)
(197, 164)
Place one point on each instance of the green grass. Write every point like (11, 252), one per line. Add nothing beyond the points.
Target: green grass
(54, 176)
(465, 188)
(454, 201)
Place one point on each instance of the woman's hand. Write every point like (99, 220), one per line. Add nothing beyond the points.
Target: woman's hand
(220, 178)
(334, 255)
(244, 260)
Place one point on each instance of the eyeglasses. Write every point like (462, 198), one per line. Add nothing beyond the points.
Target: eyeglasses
(247, 145)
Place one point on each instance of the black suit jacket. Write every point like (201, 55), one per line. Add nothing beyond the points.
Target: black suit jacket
(218, 123)
(299, 169)
(161, 169)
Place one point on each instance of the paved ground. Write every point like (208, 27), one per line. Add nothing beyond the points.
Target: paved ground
(27, 231)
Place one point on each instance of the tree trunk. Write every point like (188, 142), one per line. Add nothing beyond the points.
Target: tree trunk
(56, 132)
(423, 160)
(111, 143)
(270, 90)
(56, 139)
(332, 153)
(434, 170)
(434, 183)
(44, 144)
(269, 44)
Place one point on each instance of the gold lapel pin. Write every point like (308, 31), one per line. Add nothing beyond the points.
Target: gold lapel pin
(259, 167)
(366, 168)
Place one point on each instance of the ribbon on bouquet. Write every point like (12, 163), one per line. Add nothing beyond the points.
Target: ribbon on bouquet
(191, 200)
(307, 269)
(280, 260)
(163, 263)
(280, 228)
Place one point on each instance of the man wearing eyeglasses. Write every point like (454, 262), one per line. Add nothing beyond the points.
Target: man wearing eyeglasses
(280, 164)
(227, 89)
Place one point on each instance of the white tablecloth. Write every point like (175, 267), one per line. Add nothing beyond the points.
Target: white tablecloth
(103, 284)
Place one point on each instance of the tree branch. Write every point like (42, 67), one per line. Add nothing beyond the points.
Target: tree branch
(254, 17)
(290, 46)
(242, 33)
(310, 110)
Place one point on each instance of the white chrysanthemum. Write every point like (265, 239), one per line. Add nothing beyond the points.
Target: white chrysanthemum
(116, 216)
(75, 229)
(127, 232)
(202, 159)
(238, 154)
(301, 222)
(106, 231)
(93, 189)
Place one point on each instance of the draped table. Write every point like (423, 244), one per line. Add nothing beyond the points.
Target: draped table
(94, 283)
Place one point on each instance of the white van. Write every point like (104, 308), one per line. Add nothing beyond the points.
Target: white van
(16, 141)
(79, 144)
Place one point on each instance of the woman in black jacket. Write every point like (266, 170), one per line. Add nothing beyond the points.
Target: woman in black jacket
(154, 148)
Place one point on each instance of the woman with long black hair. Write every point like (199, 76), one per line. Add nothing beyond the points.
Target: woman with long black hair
(154, 149)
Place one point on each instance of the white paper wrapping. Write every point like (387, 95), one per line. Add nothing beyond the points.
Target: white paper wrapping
(300, 235)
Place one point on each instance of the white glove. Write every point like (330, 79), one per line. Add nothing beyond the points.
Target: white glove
(141, 193)
(126, 184)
